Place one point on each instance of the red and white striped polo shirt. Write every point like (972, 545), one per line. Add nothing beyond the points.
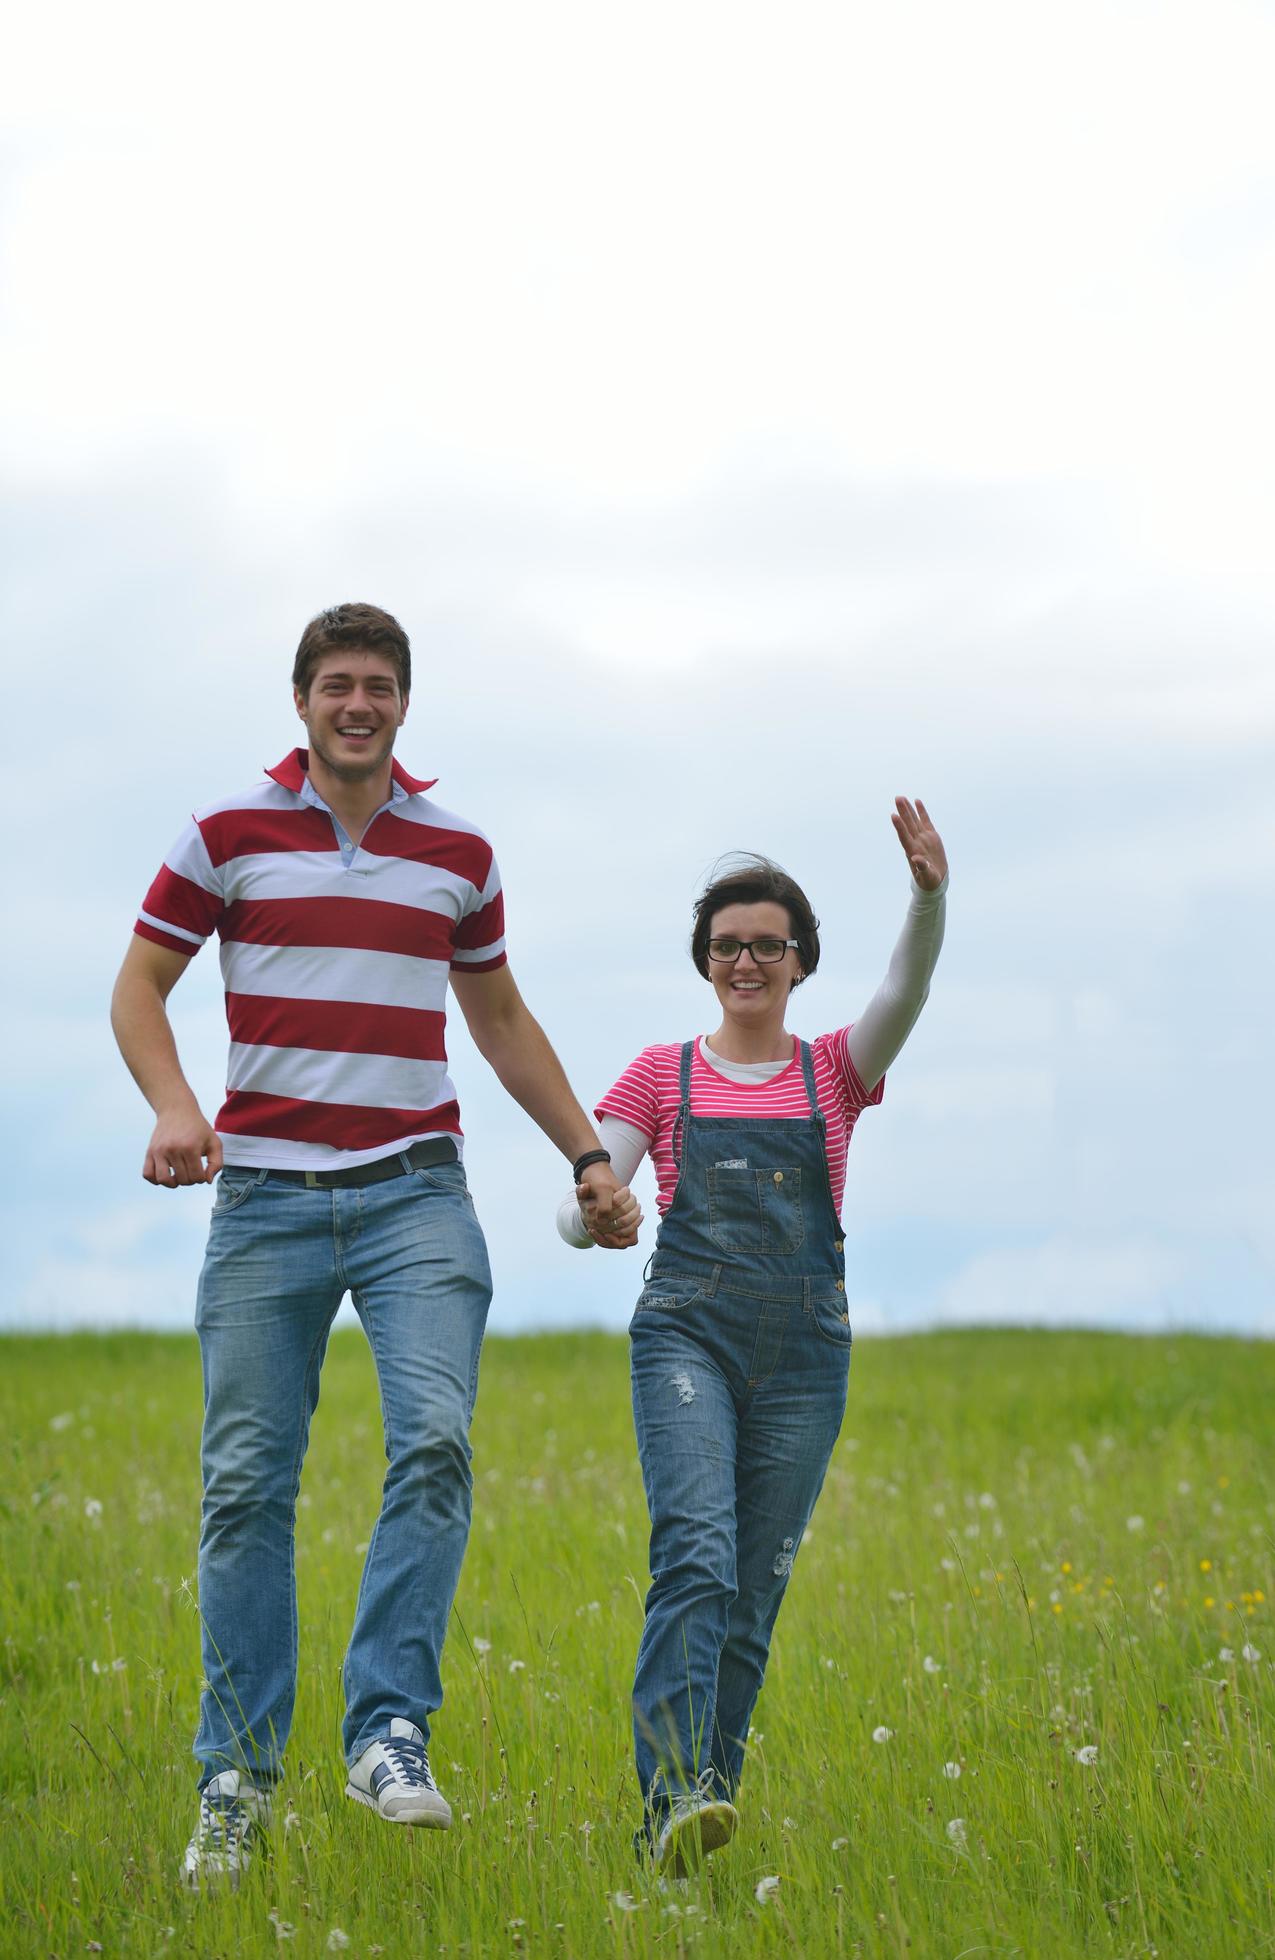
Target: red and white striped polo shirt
(335, 973)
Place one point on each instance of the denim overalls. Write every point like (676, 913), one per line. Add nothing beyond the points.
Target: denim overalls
(741, 1352)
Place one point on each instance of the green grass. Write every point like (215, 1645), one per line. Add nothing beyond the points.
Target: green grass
(981, 1510)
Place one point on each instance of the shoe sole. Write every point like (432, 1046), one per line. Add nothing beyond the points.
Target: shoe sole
(692, 1841)
(429, 1820)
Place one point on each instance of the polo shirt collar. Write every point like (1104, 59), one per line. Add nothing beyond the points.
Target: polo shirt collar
(292, 773)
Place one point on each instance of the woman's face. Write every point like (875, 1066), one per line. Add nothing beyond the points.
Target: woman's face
(748, 991)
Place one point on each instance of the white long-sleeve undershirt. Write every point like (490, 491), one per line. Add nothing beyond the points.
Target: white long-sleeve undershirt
(873, 1044)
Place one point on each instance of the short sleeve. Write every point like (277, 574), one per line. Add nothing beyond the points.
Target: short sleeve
(478, 945)
(185, 900)
(634, 1099)
(837, 1048)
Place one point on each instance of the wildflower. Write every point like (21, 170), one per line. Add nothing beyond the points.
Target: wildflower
(92, 1507)
(1088, 1755)
(1135, 1523)
(839, 1844)
(624, 1901)
(932, 1666)
(1251, 1653)
(956, 1829)
(765, 1890)
(1206, 1565)
(952, 1771)
(515, 1667)
(1226, 1654)
(481, 1646)
(337, 1940)
(882, 1734)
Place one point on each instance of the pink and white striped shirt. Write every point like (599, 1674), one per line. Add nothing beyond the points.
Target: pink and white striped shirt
(647, 1095)
(335, 963)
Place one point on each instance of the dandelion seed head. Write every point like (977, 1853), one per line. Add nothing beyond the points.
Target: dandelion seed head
(952, 1771)
(622, 1901)
(932, 1666)
(1087, 1755)
(92, 1507)
(516, 1667)
(882, 1734)
(956, 1829)
(839, 1844)
(765, 1890)
(481, 1646)
(1134, 1523)
(338, 1940)
(1251, 1653)
(1226, 1654)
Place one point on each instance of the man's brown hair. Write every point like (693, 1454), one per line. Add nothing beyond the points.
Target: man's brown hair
(356, 627)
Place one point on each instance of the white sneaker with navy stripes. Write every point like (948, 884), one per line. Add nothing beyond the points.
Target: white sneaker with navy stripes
(233, 1813)
(394, 1779)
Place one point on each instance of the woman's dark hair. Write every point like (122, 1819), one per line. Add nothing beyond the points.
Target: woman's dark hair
(753, 880)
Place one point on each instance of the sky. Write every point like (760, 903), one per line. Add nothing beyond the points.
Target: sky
(751, 415)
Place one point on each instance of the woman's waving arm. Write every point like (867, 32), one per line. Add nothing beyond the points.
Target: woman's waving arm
(891, 1014)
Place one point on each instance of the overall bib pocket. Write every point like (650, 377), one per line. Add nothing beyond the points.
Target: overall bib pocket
(756, 1209)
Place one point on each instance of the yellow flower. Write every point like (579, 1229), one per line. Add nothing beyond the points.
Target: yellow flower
(1223, 1482)
(1208, 1599)
(1057, 1606)
(1066, 1565)
(1206, 1565)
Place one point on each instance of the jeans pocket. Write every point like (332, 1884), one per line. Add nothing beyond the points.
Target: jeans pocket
(234, 1188)
(830, 1318)
(669, 1294)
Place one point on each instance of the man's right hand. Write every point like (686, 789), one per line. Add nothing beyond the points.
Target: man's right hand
(184, 1149)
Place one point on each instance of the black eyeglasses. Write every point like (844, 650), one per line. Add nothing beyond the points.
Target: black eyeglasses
(766, 952)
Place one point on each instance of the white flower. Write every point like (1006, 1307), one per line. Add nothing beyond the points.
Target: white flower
(481, 1646)
(516, 1667)
(337, 1940)
(1227, 1654)
(765, 1890)
(1135, 1523)
(948, 1564)
(1251, 1653)
(987, 1502)
(284, 1929)
(625, 1901)
(932, 1666)
(63, 1421)
(1087, 1755)
(92, 1507)
(839, 1844)
(952, 1771)
(956, 1830)
(882, 1734)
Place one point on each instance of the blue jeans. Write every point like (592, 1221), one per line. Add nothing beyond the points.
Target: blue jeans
(737, 1400)
(280, 1257)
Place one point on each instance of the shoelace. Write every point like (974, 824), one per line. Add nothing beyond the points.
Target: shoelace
(704, 1790)
(410, 1761)
(226, 1822)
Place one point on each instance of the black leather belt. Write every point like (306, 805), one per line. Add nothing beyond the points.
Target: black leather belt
(434, 1150)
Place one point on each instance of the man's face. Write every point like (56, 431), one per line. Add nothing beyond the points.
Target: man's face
(352, 712)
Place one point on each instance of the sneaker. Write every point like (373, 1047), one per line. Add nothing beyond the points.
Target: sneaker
(697, 1823)
(233, 1812)
(394, 1779)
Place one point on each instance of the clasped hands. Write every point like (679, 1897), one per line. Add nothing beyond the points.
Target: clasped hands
(610, 1212)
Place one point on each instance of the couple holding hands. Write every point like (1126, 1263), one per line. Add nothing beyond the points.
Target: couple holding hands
(346, 900)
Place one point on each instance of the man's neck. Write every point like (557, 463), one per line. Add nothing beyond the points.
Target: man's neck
(352, 804)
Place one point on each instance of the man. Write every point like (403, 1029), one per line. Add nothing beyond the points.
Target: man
(345, 899)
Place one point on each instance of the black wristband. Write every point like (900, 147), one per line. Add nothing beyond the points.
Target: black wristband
(589, 1157)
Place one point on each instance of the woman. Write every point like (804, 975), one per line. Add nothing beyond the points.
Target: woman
(741, 1338)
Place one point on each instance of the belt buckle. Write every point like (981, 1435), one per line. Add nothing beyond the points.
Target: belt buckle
(312, 1181)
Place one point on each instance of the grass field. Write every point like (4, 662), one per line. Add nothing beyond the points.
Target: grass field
(1021, 1699)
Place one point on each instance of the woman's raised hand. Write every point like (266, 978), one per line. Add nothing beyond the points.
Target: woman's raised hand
(921, 843)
